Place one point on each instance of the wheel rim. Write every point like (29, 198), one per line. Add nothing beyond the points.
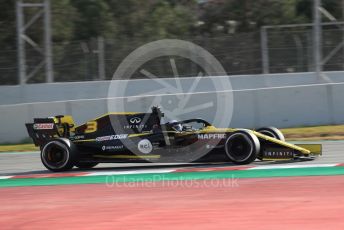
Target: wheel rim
(239, 147)
(55, 155)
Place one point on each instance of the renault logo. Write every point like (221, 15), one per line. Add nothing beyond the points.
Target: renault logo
(135, 120)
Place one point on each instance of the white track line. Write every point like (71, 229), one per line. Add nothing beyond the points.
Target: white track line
(130, 172)
(143, 171)
(5, 177)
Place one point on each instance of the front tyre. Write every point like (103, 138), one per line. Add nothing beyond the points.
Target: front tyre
(272, 132)
(59, 155)
(242, 147)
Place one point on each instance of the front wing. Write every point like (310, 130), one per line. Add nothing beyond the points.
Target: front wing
(277, 153)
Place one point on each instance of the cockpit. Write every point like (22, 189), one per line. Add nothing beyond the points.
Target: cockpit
(187, 125)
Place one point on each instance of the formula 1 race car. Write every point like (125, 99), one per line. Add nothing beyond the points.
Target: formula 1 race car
(142, 137)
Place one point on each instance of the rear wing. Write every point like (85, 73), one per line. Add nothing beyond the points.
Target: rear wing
(44, 129)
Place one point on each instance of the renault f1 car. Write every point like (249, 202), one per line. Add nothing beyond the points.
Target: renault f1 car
(142, 137)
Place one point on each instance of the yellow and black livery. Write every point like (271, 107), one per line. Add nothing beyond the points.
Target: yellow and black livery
(143, 137)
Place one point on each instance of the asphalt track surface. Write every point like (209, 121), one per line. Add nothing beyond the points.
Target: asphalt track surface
(29, 163)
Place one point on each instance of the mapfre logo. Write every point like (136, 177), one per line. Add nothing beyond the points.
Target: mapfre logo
(135, 120)
(211, 136)
(43, 126)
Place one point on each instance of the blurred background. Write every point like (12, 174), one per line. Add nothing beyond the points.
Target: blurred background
(78, 40)
(57, 55)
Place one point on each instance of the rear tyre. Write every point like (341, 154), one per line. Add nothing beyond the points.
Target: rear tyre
(242, 147)
(86, 165)
(272, 132)
(59, 155)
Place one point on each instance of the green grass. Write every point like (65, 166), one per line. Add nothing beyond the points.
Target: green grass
(330, 132)
(18, 148)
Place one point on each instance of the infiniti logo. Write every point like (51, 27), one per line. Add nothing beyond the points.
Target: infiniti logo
(135, 120)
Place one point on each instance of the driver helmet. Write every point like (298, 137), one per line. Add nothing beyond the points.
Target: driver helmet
(176, 126)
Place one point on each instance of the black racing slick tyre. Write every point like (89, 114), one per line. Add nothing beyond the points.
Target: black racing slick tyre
(59, 155)
(85, 165)
(272, 132)
(242, 147)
